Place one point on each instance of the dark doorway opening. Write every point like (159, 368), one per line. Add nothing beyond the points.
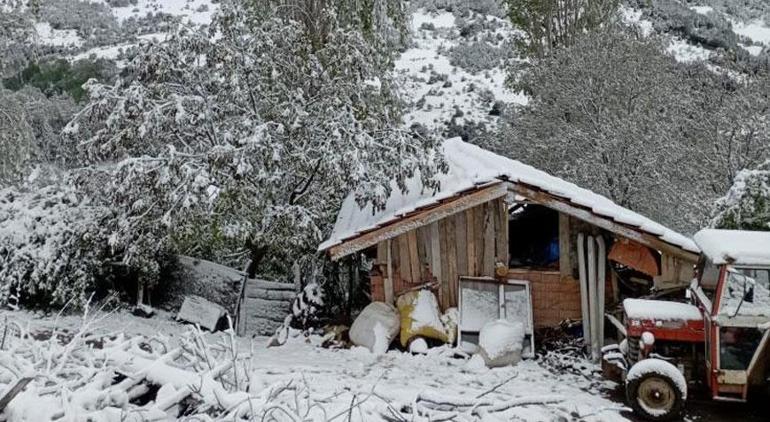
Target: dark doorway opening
(533, 237)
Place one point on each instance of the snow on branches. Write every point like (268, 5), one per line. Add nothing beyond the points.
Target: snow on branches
(746, 206)
(247, 133)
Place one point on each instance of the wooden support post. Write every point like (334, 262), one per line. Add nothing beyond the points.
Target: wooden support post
(435, 251)
(502, 232)
(388, 281)
(565, 262)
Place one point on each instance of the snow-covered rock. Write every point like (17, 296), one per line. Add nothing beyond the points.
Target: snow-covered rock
(376, 327)
(501, 342)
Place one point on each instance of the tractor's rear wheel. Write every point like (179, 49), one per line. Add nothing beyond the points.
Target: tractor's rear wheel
(656, 395)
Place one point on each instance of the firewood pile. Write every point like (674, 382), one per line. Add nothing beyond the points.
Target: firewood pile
(145, 378)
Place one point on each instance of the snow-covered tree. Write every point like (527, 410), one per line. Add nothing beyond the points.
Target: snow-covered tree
(16, 140)
(746, 206)
(608, 113)
(733, 131)
(384, 23)
(549, 24)
(30, 125)
(244, 137)
(617, 114)
(16, 35)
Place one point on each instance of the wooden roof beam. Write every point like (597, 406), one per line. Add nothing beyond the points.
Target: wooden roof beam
(418, 219)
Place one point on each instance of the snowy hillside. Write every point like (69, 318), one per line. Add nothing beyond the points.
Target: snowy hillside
(111, 28)
(454, 74)
(704, 29)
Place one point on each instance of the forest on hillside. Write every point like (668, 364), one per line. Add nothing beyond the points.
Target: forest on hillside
(232, 130)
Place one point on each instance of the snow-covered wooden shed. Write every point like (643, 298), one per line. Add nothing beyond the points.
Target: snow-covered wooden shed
(497, 219)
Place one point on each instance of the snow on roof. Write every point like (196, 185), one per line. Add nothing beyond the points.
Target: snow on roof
(735, 246)
(470, 167)
(661, 310)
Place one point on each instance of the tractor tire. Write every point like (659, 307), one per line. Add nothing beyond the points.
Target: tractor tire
(656, 390)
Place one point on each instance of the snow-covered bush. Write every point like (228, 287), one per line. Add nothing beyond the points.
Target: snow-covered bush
(746, 206)
(53, 245)
(462, 7)
(477, 56)
(122, 3)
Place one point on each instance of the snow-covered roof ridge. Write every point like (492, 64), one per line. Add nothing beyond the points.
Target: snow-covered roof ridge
(472, 166)
(737, 247)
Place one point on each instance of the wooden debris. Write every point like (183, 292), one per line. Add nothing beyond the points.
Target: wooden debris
(14, 391)
(198, 310)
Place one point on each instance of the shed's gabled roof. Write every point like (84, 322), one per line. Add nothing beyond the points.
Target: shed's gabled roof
(735, 246)
(471, 167)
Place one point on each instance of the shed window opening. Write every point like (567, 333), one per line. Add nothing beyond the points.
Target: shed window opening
(533, 237)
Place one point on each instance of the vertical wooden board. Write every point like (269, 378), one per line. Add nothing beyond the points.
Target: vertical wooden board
(488, 263)
(451, 253)
(565, 262)
(496, 224)
(423, 248)
(434, 239)
(414, 257)
(382, 253)
(470, 238)
(394, 254)
(461, 233)
(444, 289)
(478, 235)
(403, 259)
(387, 285)
(502, 230)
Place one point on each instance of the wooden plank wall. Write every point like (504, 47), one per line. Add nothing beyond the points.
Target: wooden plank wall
(468, 243)
(264, 306)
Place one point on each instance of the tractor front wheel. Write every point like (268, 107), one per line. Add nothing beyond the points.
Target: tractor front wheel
(656, 390)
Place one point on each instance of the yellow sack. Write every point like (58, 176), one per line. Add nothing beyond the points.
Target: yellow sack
(420, 316)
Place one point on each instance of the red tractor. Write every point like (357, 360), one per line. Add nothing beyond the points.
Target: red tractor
(719, 339)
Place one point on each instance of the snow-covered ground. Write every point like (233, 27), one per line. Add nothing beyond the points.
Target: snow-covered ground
(57, 37)
(335, 377)
(193, 11)
(685, 52)
(756, 31)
